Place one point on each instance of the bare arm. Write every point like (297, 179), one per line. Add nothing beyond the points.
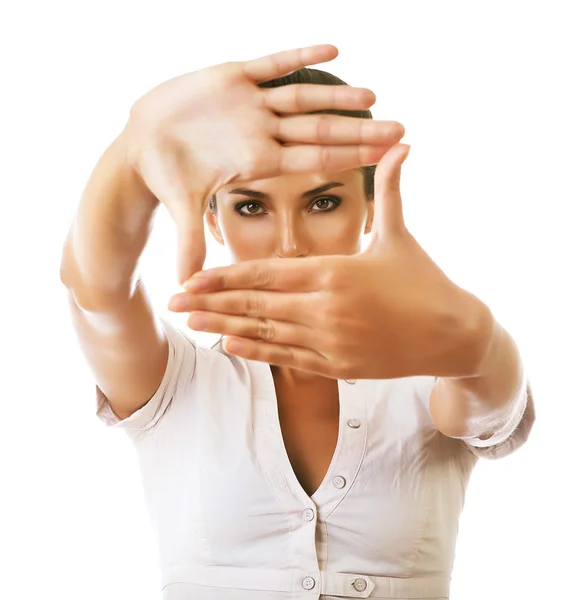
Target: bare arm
(482, 406)
(184, 139)
(120, 336)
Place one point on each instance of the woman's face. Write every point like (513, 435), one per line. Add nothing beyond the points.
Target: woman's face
(293, 216)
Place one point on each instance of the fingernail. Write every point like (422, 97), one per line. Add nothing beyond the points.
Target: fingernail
(197, 321)
(232, 346)
(176, 304)
(196, 284)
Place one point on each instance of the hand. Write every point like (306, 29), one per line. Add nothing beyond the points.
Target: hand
(385, 313)
(195, 133)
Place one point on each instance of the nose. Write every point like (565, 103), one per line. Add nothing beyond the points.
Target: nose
(292, 240)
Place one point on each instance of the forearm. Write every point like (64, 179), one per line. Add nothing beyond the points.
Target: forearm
(487, 402)
(109, 232)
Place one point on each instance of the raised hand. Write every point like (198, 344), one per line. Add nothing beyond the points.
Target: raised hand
(387, 312)
(194, 133)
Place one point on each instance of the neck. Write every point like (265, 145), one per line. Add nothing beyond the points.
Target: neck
(296, 377)
(306, 393)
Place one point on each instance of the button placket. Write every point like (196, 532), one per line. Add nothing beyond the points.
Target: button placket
(308, 515)
(339, 482)
(351, 449)
(295, 503)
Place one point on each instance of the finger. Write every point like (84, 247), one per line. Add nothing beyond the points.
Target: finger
(305, 98)
(294, 308)
(188, 217)
(269, 330)
(280, 64)
(388, 210)
(278, 274)
(311, 158)
(301, 359)
(163, 179)
(191, 252)
(337, 130)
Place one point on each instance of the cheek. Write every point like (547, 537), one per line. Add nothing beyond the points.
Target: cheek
(248, 239)
(338, 235)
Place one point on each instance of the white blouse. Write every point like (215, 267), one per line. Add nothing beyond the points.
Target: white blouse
(233, 522)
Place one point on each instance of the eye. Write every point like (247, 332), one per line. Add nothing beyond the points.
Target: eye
(249, 209)
(325, 204)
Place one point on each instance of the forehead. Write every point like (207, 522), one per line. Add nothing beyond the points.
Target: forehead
(298, 182)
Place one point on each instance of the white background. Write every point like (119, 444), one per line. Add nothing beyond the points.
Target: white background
(482, 90)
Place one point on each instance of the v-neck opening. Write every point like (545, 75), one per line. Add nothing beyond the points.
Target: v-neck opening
(314, 496)
(274, 459)
(283, 448)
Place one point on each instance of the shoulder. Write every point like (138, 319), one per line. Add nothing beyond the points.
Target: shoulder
(402, 403)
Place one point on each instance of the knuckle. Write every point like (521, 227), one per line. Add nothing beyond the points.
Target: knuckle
(253, 156)
(327, 311)
(231, 68)
(263, 277)
(249, 161)
(253, 305)
(329, 277)
(334, 277)
(264, 98)
(221, 281)
(266, 330)
(280, 130)
(293, 358)
(138, 111)
(343, 370)
(323, 128)
(330, 315)
(362, 130)
(325, 157)
(134, 112)
(297, 98)
(338, 348)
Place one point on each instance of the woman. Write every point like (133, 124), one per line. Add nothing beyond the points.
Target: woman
(329, 454)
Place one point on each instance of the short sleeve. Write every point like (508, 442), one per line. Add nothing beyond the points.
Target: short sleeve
(512, 437)
(179, 372)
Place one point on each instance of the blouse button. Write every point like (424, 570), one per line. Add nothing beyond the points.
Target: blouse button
(354, 423)
(308, 515)
(339, 482)
(309, 583)
(359, 584)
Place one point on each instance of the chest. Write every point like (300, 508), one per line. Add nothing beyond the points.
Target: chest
(228, 477)
(309, 425)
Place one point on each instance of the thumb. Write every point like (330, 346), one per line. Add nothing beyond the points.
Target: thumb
(191, 252)
(186, 208)
(191, 241)
(388, 210)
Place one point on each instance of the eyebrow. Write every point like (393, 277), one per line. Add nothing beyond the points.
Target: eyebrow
(257, 195)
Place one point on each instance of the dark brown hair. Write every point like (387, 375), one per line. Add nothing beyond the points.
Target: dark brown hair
(316, 76)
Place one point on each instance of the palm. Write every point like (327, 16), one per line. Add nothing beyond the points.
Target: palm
(201, 130)
(234, 135)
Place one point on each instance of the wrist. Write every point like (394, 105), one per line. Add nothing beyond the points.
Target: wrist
(478, 330)
(200, 182)
(131, 183)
